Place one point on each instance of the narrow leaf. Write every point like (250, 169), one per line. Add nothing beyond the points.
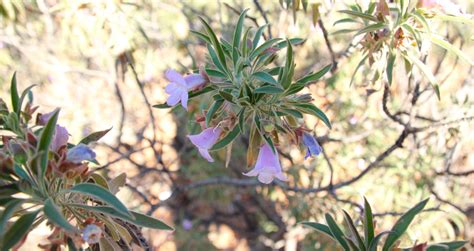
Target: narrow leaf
(312, 77)
(319, 227)
(402, 224)
(101, 194)
(336, 231)
(95, 136)
(212, 110)
(368, 223)
(353, 229)
(227, 139)
(54, 215)
(268, 89)
(138, 218)
(265, 77)
(45, 140)
(15, 97)
(18, 230)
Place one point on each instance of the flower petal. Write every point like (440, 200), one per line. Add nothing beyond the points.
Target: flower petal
(173, 99)
(184, 100)
(60, 138)
(207, 138)
(281, 176)
(251, 173)
(171, 88)
(194, 81)
(80, 153)
(205, 154)
(265, 178)
(175, 77)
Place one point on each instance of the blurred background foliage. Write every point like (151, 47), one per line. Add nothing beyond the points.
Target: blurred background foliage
(77, 51)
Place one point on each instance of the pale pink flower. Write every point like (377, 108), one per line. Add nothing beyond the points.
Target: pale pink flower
(268, 166)
(205, 140)
(179, 87)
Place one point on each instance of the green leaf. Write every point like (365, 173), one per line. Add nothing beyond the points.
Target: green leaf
(101, 194)
(215, 58)
(294, 88)
(427, 72)
(319, 227)
(215, 42)
(9, 209)
(258, 35)
(268, 89)
(265, 77)
(227, 139)
(313, 110)
(359, 14)
(15, 97)
(454, 245)
(402, 224)
(345, 20)
(336, 231)
(369, 231)
(289, 67)
(450, 48)
(461, 19)
(95, 136)
(45, 140)
(370, 28)
(212, 110)
(293, 41)
(312, 77)
(227, 96)
(374, 243)
(360, 64)
(267, 44)
(18, 230)
(390, 62)
(54, 215)
(202, 36)
(353, 230)
(215, 73)
(292, 112)
(237, 35)
(241, 116)
(138, 218)
(22, 98)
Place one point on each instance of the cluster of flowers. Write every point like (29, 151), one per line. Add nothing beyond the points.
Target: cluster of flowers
(267, 166)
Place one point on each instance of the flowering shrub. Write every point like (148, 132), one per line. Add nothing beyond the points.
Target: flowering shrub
(402, 31)
(46, 178)
(353, 240)
(249, 91)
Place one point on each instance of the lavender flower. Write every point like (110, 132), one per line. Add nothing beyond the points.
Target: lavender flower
(79, 153)
(60, 138)
(179, 86)
(268, 166)
(313, 147)
(205, 140)
(91, 234)
(43, 118)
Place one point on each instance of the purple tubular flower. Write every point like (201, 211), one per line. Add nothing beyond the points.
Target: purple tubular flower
(80, 153)
(91, 234)
(179, 86)
(205, 140)
(60, 138)
(43, 118)
(313, 147)
(267, 167)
